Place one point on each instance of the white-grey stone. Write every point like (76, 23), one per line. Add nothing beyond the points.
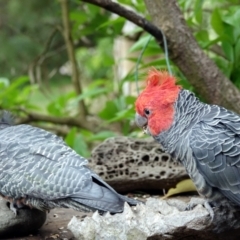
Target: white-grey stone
(155, 220)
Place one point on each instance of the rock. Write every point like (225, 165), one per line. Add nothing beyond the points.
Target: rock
(135, 164)
(27, 221)
(157, 219)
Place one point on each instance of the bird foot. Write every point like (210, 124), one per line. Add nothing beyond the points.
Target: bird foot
(13, 208)
(196, 201)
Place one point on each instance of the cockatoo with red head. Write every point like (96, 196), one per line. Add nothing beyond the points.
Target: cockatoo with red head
(204, 138)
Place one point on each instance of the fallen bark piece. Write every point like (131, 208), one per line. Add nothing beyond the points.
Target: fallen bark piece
(129, 164)
(27, 221)
(157, 219)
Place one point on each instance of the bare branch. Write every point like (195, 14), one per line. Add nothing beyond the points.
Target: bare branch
(70, 121)
(35, 65)
(218, 50)
(71, 55)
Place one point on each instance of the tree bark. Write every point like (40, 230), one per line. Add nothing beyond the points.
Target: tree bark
(198, 68)
(184, 51)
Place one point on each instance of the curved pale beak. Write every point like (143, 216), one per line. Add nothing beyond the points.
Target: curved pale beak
(141, 122)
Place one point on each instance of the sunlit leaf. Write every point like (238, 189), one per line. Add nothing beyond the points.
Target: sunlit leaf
(109, 111)
(118, 20)
(123, 115)
(216, 22)
(228, 50)
(100, 136)
(91, 93)
(4, 81)
(139, 44)
(182, 187)
(198, 10)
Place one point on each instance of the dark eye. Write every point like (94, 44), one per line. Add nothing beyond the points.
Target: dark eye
(147, 112)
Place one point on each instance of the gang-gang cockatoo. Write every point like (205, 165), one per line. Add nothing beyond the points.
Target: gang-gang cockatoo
(39, 170)
(204, 138)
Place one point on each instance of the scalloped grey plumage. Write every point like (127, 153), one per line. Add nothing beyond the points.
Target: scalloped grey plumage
(38, 169)
(206, 139)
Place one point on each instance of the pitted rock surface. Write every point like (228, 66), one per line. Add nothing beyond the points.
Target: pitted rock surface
(135, 164)
(27, 221)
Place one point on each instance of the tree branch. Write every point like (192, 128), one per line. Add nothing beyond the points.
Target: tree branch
(32, 70)
(199, 69)
(70, 121)
(184, 51)
(218, 50)
(58, 130)
(71, 55)
(129, 15)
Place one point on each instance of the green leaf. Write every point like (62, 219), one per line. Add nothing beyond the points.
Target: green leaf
(112, 22)
(4, 81)
(233, 17)
(237, 51)
(12, 91)
(70, 138)
(80, 146)
(130, 100)
(79, 17)
(77, 142)
(216, 22)
(198, 10)
(224, 65)
(100, 136)
(91, 93)
(202, 36)
(109, 111)
(212, 42)
(123, 115)
(139, 44)
(54, 109)
(228, 50)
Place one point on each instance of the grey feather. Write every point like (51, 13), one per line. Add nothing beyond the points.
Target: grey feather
(206, 139)
(39, 167)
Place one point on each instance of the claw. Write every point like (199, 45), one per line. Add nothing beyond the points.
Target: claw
(12, 207)
(196, 201)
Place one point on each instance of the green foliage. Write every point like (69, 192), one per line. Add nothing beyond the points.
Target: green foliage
(216, 27)
(24, 38)
(16, 94)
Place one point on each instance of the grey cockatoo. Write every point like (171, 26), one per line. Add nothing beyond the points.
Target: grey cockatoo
(204, 138)
(39, 170)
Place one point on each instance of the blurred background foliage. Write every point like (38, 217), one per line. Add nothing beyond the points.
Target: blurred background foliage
(36, 78)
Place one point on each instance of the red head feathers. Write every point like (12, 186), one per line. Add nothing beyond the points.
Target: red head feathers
(156, 101)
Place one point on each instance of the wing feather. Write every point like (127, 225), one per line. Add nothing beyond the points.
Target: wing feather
(38, 164)
(215, 143)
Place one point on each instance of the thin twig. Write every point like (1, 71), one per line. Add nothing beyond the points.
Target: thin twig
(32, 71)
(71, 55)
